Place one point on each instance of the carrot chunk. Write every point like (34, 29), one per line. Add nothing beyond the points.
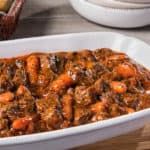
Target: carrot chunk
(62, 82)
(67, 107)
(32, 68)
(118, 87)
(125, 70)
(21, 123)
(6, 97)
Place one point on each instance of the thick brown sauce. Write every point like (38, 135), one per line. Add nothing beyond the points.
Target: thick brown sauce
(42, 92)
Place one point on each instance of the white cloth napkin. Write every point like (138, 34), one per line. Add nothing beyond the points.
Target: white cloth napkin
(124, 4)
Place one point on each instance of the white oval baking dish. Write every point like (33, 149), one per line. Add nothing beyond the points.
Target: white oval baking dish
(85, 134)
(114, 17)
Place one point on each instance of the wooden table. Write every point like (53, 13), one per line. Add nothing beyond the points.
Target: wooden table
(46, 17)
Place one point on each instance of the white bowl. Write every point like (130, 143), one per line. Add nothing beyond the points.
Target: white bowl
(121, 18)
(136, 1)
(89, 133)
(120, 4)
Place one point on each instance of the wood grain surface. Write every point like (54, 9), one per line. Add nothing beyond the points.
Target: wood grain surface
(47, 17)
(137, 140)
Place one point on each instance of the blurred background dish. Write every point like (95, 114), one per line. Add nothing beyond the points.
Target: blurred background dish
(120, 4)
(135, 1)
(114, 17)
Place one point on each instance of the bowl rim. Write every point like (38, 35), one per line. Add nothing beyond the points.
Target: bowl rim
(120, 10)
(120, 4)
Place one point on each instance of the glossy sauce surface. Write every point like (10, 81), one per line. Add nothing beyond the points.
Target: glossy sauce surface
(43, 92)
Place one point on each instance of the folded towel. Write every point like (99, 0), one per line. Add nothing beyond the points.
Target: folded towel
(122, 4)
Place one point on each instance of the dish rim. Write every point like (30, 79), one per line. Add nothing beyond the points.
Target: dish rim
(120, 10)
(56, 134)
(51, 135)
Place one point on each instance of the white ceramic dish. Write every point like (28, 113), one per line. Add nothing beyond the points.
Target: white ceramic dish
(114, 17)
(85, 134)
(119, 4)
(136, 1)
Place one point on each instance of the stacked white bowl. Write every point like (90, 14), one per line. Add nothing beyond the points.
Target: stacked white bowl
(125, 4)
(115, 13)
